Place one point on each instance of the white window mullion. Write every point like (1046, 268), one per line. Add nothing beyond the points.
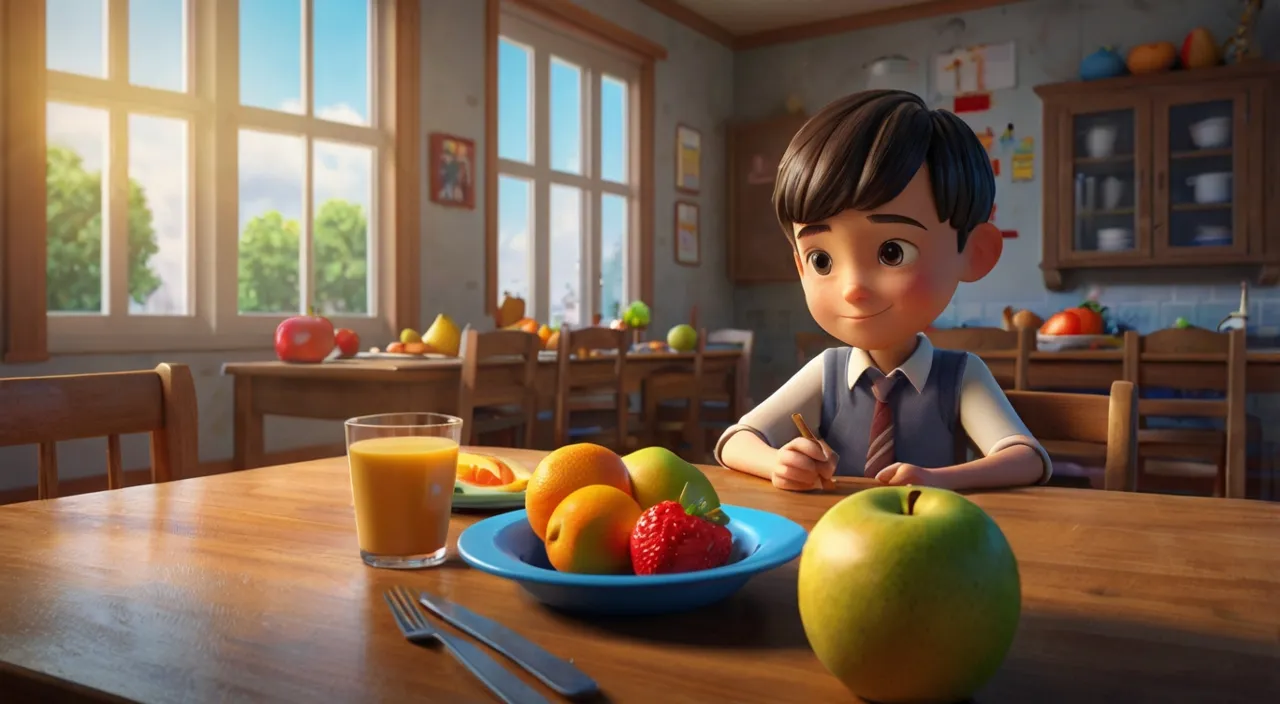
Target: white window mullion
(591, 249)
(222, 57)
(541, 205)
(306, 259)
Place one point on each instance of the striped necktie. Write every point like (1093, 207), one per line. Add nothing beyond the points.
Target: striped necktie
(880, 450)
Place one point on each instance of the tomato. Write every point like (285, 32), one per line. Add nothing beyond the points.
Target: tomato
(1065, 323)
(348, 342)
(1090, 320)
(304, 338)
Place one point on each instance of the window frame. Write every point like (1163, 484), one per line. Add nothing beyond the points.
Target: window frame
(595, 64)
(572, 24)
(211, 107)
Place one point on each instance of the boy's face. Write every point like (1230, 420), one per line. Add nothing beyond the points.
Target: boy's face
(874, 279)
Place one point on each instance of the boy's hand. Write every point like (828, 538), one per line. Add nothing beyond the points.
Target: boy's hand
(901, 474)
(803, 463)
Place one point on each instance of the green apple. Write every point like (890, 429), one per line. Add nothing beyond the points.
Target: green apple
(1181, 323)
(682, 338)
(909, 594)
(658, 474)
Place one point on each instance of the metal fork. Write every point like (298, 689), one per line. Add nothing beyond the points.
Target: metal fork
(418, 629)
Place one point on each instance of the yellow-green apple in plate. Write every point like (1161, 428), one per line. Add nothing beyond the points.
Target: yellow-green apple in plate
(909, 594)
(658, 474)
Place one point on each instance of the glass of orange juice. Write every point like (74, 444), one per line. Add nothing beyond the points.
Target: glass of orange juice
(403, 467)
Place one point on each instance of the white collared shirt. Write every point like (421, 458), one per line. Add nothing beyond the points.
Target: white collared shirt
(986, 415)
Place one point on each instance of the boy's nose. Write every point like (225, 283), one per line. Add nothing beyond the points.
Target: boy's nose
(855, 292)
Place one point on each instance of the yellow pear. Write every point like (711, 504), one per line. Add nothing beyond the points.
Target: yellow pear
(443, 335)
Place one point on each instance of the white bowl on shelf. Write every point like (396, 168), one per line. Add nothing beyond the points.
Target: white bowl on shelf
(1115, 239)
(1212, 133)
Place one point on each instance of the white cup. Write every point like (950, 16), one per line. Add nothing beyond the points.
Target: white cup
(1100, 142)
(1112, 192)
(1211, 187)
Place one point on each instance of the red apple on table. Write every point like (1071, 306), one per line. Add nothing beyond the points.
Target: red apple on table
(348, 342)
(909, 594)
(304, 338)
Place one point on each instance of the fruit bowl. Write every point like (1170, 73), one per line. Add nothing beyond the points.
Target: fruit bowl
(506, 546)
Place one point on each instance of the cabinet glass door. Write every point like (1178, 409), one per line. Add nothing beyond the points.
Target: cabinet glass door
(1104, 212)
(1199, 175)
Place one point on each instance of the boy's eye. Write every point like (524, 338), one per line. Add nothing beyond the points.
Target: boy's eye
(820, 261)
(897, 253)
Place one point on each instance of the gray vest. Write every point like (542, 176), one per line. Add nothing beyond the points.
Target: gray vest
(924, 422)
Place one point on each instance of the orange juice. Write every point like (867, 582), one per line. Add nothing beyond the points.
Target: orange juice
(403, 493)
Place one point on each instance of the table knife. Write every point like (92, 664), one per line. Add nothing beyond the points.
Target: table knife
(558, 674)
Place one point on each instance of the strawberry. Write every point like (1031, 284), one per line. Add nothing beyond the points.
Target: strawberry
(674, 536)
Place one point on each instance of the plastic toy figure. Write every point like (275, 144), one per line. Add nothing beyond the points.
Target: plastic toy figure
(886, 205)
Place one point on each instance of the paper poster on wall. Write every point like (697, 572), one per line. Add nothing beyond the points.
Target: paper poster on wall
(975, 70)
(1024, 160)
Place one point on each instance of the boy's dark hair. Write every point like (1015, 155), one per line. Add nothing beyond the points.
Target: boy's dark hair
(862, 150)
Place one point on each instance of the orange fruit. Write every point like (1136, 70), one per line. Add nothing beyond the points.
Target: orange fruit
(590, 531)
(566, 470)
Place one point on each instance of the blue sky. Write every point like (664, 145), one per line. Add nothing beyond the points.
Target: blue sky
(516, 103)
(271, 168)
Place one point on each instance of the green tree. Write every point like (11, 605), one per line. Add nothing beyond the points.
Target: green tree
(269, 252)
(74, 236)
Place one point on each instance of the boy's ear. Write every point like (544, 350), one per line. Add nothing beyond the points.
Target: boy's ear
(981, 252)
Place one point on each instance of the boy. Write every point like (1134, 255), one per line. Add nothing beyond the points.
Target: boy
(886, 205)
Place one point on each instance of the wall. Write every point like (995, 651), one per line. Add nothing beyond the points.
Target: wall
(693, 86)
(1051, 37)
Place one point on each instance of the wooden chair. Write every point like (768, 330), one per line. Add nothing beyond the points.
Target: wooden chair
(1183, 457)
(723, 395)
(498, 390)
(672, 400)
(811, 344)
(1088, 420)
(577, 380)
(45, 410)
(1022, 342)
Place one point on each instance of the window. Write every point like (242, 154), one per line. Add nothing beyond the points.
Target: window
(567, 185)
(213, 167)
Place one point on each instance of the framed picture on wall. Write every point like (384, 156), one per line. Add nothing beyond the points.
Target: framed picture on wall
(688, 159)
(688, 234)
(453, 171)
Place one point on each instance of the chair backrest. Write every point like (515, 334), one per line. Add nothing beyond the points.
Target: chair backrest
(977, 340)
(499, 368)
(45, 410)
(740, 391)
(576, 378)
(811, 344)
(1215, 348)
(1092, 419)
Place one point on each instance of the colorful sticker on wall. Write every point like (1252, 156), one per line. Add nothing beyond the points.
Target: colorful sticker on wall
(987, 138)
(974, 102)
(1024, 160)
(995, 167)
(1006, 137)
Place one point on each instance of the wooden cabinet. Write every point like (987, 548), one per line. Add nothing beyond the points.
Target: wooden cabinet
(1164, 170)
(758, 248)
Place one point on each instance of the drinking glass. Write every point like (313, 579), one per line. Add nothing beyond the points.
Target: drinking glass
(403, 467)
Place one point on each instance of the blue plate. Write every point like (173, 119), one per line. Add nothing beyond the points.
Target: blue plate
(506, 546)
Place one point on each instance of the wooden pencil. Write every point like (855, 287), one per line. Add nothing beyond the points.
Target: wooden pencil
(806, 433)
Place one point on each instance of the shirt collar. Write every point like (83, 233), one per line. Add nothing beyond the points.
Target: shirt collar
(916, 368)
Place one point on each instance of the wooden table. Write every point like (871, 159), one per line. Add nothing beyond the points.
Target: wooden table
(349, 388)
(247, 587)
(1096, 369)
